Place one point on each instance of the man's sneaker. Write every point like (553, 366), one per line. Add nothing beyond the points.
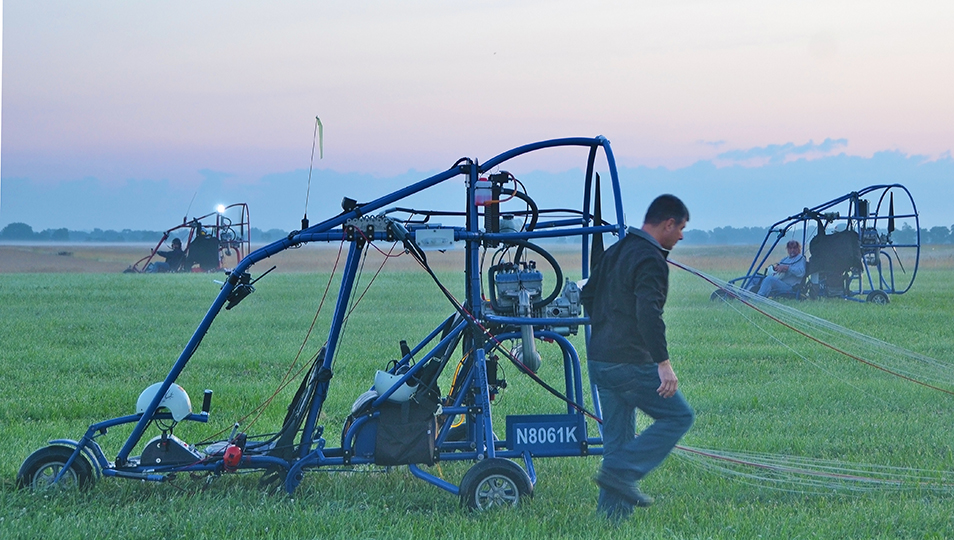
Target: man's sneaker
(628, 492)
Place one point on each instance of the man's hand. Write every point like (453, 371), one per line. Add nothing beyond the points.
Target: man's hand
(669, 382)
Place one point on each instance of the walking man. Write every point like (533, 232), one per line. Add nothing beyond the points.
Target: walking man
(628, 357)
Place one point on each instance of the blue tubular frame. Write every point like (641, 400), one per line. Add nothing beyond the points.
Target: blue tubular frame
(853, 221)
(473, 400)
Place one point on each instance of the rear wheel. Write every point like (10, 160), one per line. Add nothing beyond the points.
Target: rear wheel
(720, 295)
(878, 297)
(42, 467)
(494, 483)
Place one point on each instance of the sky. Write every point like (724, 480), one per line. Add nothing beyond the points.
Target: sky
(130, 115)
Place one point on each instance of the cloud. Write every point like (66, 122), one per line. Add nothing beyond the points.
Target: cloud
(736, 195)
(744, 196)
(779, 153)
(215, 176)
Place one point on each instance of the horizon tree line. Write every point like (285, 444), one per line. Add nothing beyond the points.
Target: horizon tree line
(22, 232)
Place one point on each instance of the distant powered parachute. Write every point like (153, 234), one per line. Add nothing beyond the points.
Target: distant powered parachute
(212, 242)
(861, 246)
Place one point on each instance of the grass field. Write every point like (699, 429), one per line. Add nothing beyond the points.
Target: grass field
(78, 348)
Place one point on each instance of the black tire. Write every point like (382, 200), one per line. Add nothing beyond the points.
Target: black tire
(41, 467)
(720, 295)
(814, 291)
(494, 483)
(878, 297)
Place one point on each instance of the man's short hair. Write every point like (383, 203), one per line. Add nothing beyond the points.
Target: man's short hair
(666, 207)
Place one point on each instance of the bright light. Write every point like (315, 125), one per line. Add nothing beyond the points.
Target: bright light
(220, 208)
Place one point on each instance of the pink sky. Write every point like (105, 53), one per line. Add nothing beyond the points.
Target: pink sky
(131, 90)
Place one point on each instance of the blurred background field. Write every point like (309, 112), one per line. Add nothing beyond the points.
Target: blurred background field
(106, 258)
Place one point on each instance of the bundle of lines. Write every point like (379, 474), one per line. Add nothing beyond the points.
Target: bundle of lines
(810, 475)
(804, 474)
(918, 368)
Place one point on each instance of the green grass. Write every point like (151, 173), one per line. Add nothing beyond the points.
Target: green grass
(77, 349)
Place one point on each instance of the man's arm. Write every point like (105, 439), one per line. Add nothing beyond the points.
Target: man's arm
(651, 286)
(668, 381)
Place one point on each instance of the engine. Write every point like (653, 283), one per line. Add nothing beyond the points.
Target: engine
(517, 291)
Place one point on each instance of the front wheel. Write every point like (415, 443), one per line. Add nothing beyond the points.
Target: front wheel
(878, 297)
(42, 467)
(494, 483)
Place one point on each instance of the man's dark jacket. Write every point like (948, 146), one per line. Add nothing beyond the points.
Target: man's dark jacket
(624, 299)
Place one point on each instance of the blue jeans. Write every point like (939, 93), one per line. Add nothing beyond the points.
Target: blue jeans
(772, 284)
(623, 388)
